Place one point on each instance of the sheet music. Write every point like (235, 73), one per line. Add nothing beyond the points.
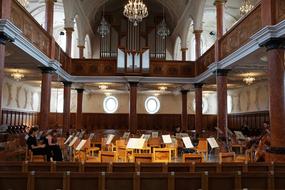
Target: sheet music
(110, 138)
(126, 135)
(187, 142)
(145, 136)
(239, 135)
(135, 143)
(166, 139)
(91, 136)
(213, 143)
(154, 134)
(73, 141)
(80, 145)
(68, 139)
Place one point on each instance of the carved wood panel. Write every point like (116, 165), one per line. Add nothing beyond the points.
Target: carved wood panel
(280, 12)
(30, 28)
(241, 32)
(205, 60)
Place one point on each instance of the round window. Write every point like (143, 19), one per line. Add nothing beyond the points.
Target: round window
(152, 104)
(110, 104)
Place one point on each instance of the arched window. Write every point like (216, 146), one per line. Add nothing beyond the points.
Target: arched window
(110, 104)
(177, 49)
(87, 49)
(152, 104)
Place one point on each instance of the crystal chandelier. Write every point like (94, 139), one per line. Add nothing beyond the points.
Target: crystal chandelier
(249, 80)
(103, 28)
(17, 75)
(135, 11)
(163, 31)
(246, 6)
(24, 3)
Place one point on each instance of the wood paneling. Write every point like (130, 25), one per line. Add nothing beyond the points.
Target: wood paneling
(252, 119)
(205, 60)
(280, 12)
(31, 29)
(164, 122)
(13, 117)
(240, 34)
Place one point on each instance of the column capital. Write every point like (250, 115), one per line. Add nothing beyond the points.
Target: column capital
(198, 85)
(197, 31)
(184, 49)
(81, 46)
(69, 29)
(133, 84)
(221, 72)
(67, 83)
(47, 69)
(274, 43)
(79, 90)
(184, 91)
(219, 2)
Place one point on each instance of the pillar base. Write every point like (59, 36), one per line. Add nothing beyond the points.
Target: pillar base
(275, 155)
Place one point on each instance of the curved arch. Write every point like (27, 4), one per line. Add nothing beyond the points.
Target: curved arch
(87, 50)
(177, 49)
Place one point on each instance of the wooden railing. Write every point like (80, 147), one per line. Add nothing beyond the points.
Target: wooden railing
(240, 33)
(205, 60)
(14, 117)
(235, 38)
(31, 29)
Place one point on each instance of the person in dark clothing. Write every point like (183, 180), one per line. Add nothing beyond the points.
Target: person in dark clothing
(53, 147)
(37, 149)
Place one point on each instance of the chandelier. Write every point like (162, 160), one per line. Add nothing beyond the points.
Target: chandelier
(135, 11)
(163, 31)
(245, 7)
(17, 75)
(24, 3)
(103, 28)
(249, 80)
(103, 87)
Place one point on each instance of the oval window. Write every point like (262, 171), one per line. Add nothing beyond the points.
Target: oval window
(110, 104)
(152, 105)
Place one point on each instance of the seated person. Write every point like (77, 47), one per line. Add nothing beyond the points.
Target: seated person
(37, 149)
(53, 147)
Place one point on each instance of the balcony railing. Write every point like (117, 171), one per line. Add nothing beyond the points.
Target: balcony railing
(235, 38)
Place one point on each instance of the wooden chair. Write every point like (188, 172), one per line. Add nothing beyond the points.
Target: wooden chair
(12, 166)
(92, 154)
(203, 167)
(40, 166)
(123, 167)
(189, 181)
(202, 148)
(233, 167)
(46, 181)
(115, 181)
(67, 166)
(179, 167)
(161, 155)
(107, 156)
(223, 181)
(227, 157)
(36, 158)
(152, 167)
(84, 181)
(121, 150)
(257, 180)
(154, 143)
(142, 158)
(154, 181)
(189, 157)
(95, 167)
(14, 181)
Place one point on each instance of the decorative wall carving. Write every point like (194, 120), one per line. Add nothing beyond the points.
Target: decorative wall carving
(205, 60)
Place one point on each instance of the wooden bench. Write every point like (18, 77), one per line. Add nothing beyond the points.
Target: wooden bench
(47, 181)
(14, 181)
